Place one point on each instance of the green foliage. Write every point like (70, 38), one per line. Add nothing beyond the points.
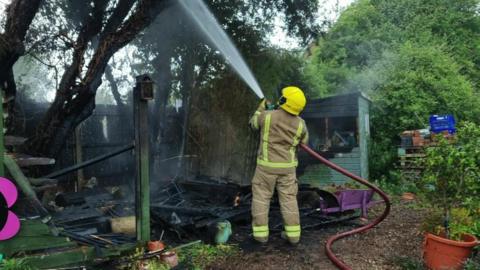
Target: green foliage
(275, 68)
(200, 256)
(413, 57)
(473, 263)
(396, 185)
(452, 169)
(461, 221)
(15, 264)
(155, 265)
(450, 180)
(194, 257)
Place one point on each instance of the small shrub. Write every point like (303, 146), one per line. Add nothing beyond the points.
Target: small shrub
(409, 263)
(155, 264)
(15, 264)
(200, 256)
(450, 180)
(473, 263)
(461, 222)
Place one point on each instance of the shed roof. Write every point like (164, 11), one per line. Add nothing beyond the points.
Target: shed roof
(344, 105)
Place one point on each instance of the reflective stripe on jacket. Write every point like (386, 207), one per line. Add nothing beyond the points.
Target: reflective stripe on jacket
(280, 134)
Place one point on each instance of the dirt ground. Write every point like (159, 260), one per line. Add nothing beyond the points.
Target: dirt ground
(397, 238)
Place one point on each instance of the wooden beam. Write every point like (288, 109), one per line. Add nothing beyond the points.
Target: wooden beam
(74, 257)
(79, 158)
(14, 140)
(27, 161)
(42, 181)
(33, 235)
(24, 185)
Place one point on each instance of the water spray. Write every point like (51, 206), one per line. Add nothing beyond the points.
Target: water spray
(218, 37)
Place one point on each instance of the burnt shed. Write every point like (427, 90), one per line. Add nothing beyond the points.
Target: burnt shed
(339, 129)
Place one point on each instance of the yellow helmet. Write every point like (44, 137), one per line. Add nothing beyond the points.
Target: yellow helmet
(292, 100)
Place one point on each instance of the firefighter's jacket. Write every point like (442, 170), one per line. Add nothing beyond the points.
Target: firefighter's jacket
(280, 134)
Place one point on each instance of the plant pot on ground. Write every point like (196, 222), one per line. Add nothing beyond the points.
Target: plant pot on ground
(451, 184)
(441, 252)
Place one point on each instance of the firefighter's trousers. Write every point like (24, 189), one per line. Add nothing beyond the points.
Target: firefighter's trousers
(263, 185)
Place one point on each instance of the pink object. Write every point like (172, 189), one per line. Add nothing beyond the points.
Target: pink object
(11, 228)
(9, 191)
(12, 225)
(170, 258)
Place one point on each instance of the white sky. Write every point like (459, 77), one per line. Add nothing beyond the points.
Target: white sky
(3, 4)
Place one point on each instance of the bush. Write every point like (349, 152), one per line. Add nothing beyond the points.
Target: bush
(450, 180)
(15, 264)
(461, 221)
(201, 256)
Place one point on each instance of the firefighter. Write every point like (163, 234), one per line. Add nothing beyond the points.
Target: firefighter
(281, 131)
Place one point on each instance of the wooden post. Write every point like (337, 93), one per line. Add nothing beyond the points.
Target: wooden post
(327, 139)
(2, 129)
(143, 92)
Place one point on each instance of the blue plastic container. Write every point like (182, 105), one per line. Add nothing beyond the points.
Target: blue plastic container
(440, 123)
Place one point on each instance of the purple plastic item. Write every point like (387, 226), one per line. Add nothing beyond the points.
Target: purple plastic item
(352, 199)
(10, 194)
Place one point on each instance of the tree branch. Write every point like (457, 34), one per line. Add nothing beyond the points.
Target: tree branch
(74, 103)
(117, 17)
(113, 85)
(20, 14)
(49, 66)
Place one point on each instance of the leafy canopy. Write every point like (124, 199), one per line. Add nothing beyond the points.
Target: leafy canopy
(413, 57)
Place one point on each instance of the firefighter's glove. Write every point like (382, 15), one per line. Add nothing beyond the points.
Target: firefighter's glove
(263, 105)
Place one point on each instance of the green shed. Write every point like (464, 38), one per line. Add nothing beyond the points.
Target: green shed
(339, 129)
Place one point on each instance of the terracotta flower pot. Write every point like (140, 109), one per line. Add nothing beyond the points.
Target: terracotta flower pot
(441, 253)
(155, 246)
(408, 196)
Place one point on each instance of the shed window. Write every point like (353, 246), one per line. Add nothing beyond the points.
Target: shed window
(336, 134)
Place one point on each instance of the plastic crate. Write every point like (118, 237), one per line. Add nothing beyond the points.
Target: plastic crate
(440, 123)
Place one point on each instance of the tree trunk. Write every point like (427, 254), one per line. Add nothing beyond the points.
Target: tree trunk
(163, 80)
(20, 14)
(116, 95)
(77, 103)
(188, 82)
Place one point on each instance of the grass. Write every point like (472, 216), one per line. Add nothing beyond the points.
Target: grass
(15, 264)
(473, 263)
(201, 256)
(196, 257)
(155, 265)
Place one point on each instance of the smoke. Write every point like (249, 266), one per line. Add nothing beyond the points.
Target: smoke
(371, 77)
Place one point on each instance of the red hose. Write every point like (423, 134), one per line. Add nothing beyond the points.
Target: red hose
(328, 246)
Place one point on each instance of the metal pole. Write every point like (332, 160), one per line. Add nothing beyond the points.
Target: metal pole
(88, 162)
(142, 93)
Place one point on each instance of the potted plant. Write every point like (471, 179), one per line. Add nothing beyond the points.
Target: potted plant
(451, 182)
